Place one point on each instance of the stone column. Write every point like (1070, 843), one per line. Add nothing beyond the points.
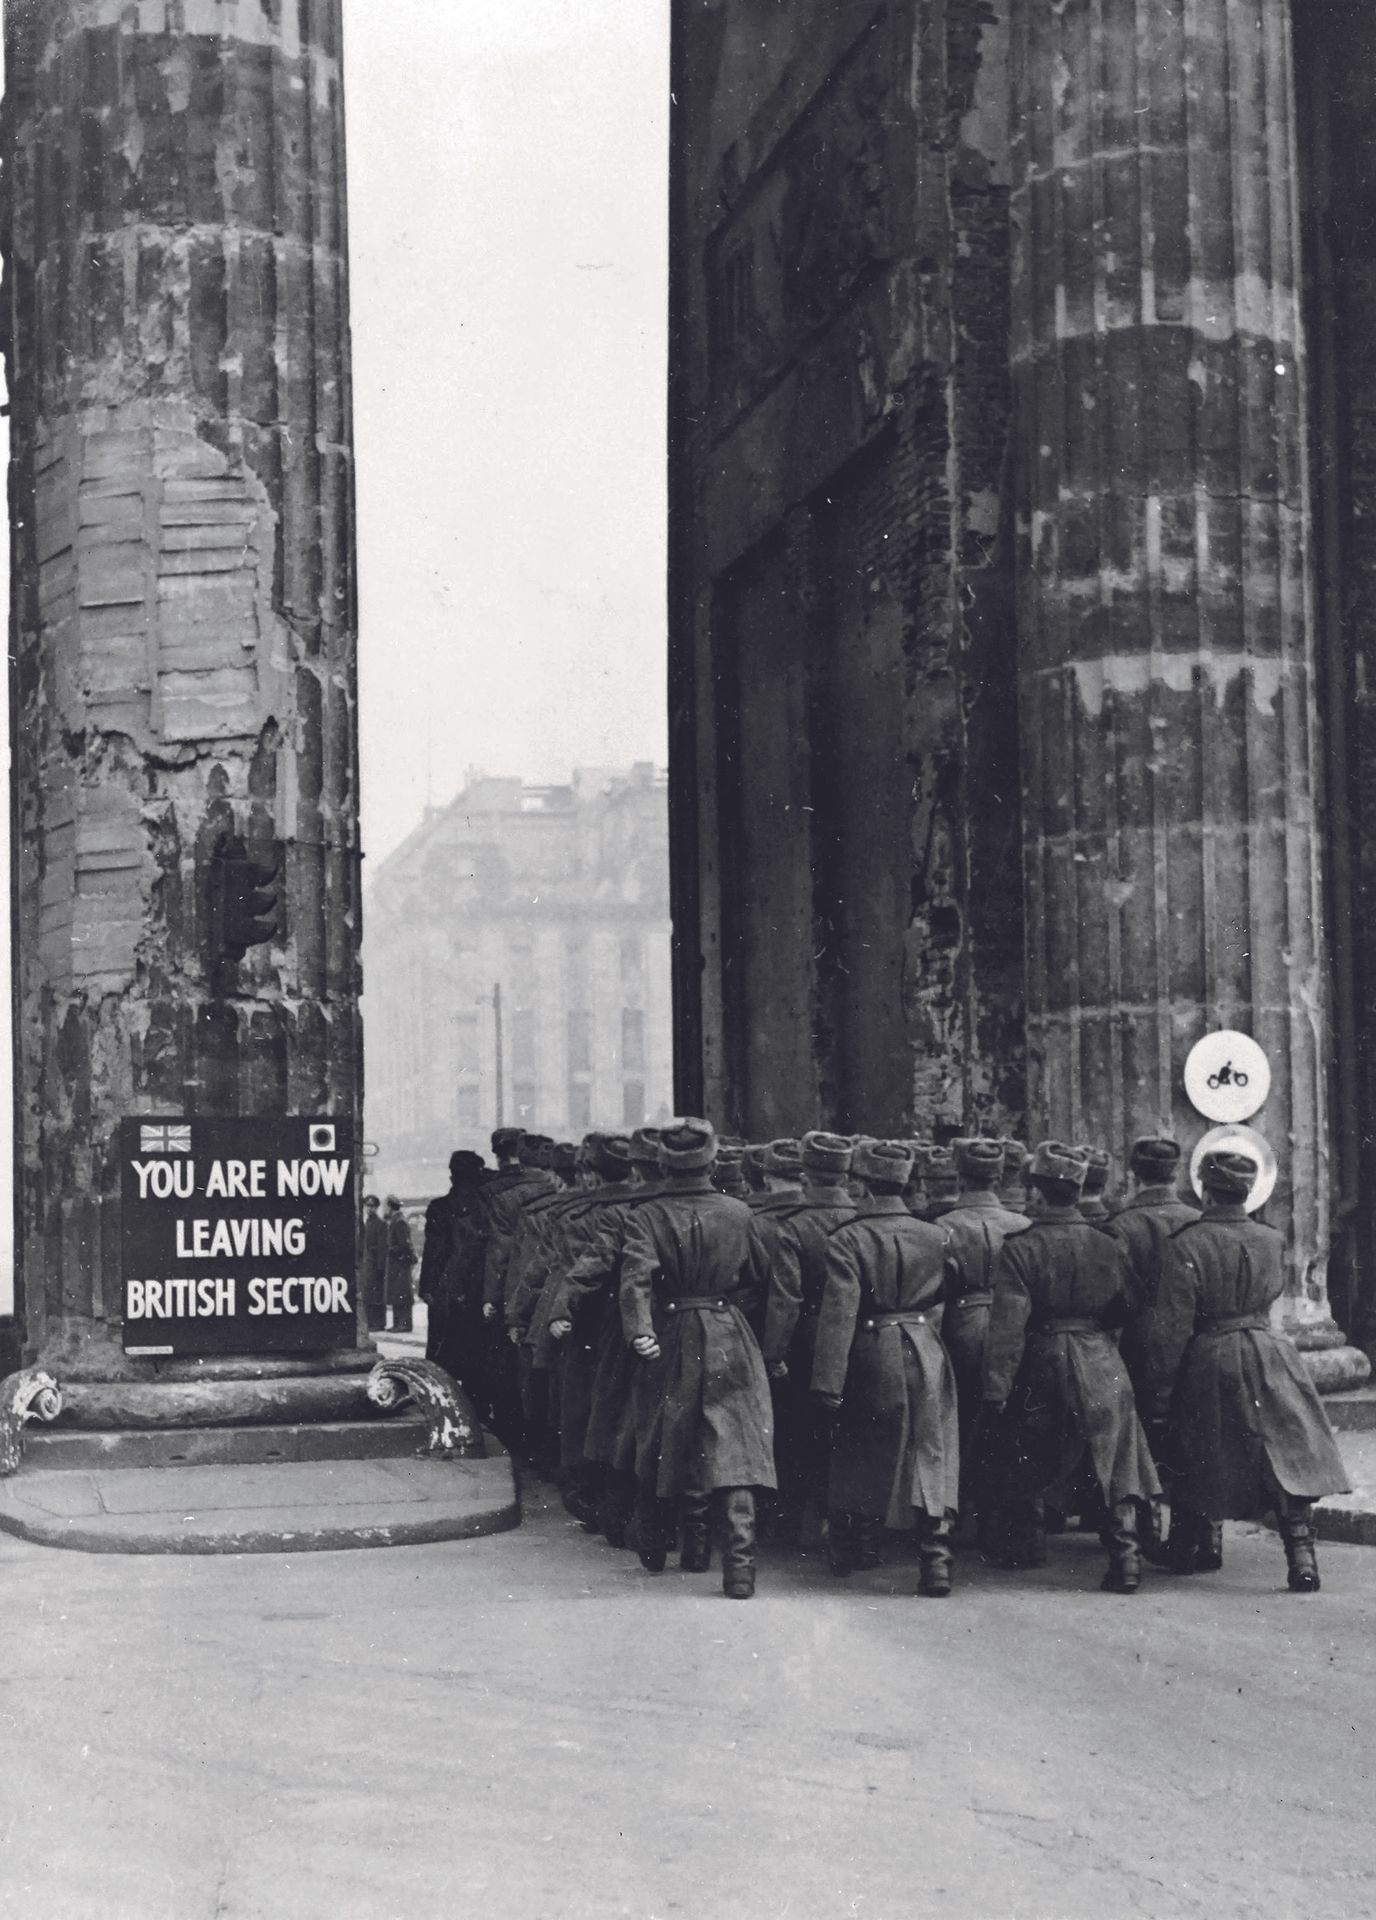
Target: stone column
(183, 606)
(1172, 855)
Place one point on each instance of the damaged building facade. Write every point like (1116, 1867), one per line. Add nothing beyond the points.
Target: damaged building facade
(182, 604)
(1023, 589)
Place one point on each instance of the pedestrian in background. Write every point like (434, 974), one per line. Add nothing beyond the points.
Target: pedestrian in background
(401, 1261)
(374, 1265)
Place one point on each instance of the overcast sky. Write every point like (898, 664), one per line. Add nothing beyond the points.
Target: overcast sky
(507, 213)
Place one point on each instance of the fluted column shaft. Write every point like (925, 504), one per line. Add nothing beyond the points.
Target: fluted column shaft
(183, 613)
(1166, 666)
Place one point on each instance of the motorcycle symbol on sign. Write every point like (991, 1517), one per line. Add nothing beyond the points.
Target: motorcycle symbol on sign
(1226, 1077)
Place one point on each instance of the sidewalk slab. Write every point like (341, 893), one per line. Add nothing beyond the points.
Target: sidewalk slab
(297, 1507)
(1351, 1517)
(58, 1447)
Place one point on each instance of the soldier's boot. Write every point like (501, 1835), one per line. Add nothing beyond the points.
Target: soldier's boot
(1149, 1528)
(1297, 1531)
(1124, 1554)
(935, 1556)
(1208, 1552)
(870, 1535)
(1025, 1536)
(581, 1484)
(653, 1529)
(615, 1507)
(695, 1512)
(738, 1556)
(1181, 1550)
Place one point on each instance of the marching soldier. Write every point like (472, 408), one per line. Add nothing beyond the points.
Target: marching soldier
(1143, 1225)
(940, 1182)
(573, 1313)
(536, 1254)
(704, 1423)
(796, 1277)
(881, 1369)
(977, 1226)
(609, 1443)
(401, 1262)
(1061, 1290)
(1244, 1425)
(728, 1173)
(505, 1197)
(451, 1274)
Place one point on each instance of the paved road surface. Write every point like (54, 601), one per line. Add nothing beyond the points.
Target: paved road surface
(530, 1728)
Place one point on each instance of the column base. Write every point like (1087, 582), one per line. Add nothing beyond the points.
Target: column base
(1331, 1363)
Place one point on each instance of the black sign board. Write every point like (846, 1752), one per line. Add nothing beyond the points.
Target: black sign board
(239, 1236)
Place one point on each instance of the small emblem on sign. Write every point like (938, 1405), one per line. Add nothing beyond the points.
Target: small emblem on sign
(322, 1139)
(1227, 1077)
(165, 1139)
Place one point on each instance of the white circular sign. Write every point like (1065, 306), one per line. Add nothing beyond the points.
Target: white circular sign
(1227, 1077)
(1239, 1140)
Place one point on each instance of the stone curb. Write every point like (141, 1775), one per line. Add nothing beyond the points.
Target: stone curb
(485, 1500)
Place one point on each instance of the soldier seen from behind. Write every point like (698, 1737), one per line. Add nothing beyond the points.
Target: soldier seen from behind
(881, 1370)
(1053, 1377)
(401, 1266)
(1239, 1418)
(453, 1258)
(977, 1226)
(704, 1422)
(790, 1248)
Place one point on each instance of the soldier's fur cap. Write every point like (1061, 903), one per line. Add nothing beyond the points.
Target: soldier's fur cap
(1230, 1175)
(1155, 1157)
(1014, 1161)
(466, 1165)
(507, 1140)
(1053, 1160)
(784, 1159)
(939, 1173)
(826, 1153)
(888, 1160)
(645, 1146)
(609, 1154)
(1098, 1165)
(564, 1159)
(687, 1146)
(980, 1161)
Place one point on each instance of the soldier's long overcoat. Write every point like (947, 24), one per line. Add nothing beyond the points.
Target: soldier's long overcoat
(976, 1227)
(1239, 1398)
(1144, 1226)
(591, 1300)
(896, 1444)
(1062, 1288)
(704, 1418)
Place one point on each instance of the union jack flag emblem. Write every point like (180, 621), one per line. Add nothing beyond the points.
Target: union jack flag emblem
(165, 1139)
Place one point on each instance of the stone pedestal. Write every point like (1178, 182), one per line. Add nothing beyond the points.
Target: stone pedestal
(1165, 622)
(183, 609)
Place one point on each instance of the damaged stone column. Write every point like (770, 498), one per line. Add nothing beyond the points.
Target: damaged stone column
(183, 604)
(1166, 645)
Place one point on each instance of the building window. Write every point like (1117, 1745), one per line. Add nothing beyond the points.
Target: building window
(576, 978)
(632, 970)
(521, 965)
(466, 1042)
(580, 1040)
(467, 1106)
(632, 1103)
(632, 1041)
(580, 1106)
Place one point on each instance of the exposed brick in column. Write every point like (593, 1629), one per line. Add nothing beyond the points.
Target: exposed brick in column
(183, 606)
(1168, 722)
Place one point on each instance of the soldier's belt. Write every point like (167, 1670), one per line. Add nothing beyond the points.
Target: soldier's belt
(1233, 1323)
(972, 1300)
(1068, 1326)
(703, 1302)
(914, 1317)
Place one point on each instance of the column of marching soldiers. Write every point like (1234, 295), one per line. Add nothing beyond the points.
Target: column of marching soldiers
(958, 1342)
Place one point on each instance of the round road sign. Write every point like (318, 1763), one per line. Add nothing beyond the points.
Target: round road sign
(1239, 1140)
(1227, 1077)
